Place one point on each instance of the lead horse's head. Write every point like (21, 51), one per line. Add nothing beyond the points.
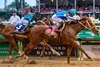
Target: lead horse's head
(88, 24)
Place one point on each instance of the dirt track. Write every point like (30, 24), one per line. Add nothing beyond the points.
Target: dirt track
(55, 62)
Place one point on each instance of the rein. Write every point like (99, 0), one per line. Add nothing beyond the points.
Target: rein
(90, 27)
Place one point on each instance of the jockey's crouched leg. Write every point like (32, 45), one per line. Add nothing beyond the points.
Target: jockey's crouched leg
(58, 27)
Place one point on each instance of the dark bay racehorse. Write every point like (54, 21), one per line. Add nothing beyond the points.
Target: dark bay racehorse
(67, 35)
(5, 31)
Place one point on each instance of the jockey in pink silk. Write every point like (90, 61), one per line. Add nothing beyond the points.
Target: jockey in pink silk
(57, 18)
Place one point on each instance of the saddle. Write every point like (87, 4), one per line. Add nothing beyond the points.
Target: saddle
(54, 31)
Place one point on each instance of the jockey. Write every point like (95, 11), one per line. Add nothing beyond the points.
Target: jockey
(24, 21)
(58, 18)
(36, 17)
(72, 15)
(14, 19)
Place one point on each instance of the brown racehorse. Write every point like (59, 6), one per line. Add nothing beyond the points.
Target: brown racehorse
(5, 31)
(67, 35)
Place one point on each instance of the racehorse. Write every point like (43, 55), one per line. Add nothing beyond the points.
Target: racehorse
(67, 35)
(5, 31)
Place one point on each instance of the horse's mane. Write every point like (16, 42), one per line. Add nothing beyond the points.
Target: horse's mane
(76, 21)
(83, 18)
(86, 18)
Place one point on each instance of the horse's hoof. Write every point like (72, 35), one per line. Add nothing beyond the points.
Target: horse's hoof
(41, 56)
(17, 57)
(10, 62)
(57, 53)
(32, 62)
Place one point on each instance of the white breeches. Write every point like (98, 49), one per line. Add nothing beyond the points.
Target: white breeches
(56, 20)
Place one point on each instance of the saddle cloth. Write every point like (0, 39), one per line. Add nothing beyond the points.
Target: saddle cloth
(20, 27)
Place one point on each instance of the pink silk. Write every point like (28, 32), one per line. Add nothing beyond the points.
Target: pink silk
(51, 31)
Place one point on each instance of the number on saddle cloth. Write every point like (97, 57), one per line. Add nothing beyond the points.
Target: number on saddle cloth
(20, 27)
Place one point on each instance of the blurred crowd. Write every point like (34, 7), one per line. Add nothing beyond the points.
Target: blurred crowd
(80, 8)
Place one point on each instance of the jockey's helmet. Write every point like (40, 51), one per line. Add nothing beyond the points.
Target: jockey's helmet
(37, 14)
(72, 11)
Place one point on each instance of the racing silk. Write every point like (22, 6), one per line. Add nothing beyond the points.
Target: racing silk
(24, 21)
(75, 17)
(61, 14)
(28, 17)
(34, 20)
(59, 17)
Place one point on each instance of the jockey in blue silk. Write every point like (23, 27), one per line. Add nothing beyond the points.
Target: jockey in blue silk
(59, 17)
(72, 15)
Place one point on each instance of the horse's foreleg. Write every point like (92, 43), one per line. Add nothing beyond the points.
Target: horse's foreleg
(12, 46)
(42, 52)
(27, 51)
(69, 49)
(54, 51)
(74, 43)
(10, 51)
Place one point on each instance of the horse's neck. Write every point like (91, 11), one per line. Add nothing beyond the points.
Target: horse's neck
(77, 28)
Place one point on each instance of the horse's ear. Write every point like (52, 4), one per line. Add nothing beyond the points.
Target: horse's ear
(2, 25)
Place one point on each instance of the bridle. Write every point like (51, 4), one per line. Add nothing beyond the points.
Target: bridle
(90, 27)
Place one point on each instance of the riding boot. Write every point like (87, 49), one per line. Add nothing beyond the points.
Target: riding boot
(58, 28)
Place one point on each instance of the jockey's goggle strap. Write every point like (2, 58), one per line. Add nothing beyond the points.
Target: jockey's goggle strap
(70, 18)
(86, 26)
